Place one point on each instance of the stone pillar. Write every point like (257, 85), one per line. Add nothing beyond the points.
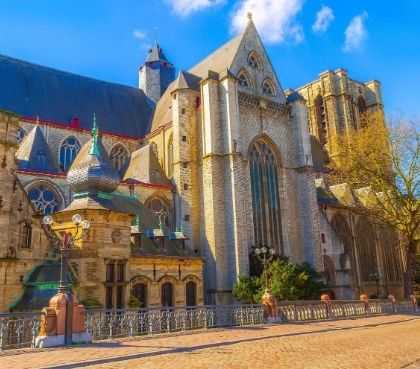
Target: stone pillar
(63, 317)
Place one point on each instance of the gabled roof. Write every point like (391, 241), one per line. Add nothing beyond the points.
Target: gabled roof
(185, 80)
(220, 60)
(32, 90)
(34, 153)
(144, 167)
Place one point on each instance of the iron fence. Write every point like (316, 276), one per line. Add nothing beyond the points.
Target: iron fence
(20, 329)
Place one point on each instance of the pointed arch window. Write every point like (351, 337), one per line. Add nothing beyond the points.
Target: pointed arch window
(254, 60)
(243, 79)
(321, 120)
(119, 158)
(265, 196)
(44, 198)
(68, 152)
(170, 157)
(268, 88)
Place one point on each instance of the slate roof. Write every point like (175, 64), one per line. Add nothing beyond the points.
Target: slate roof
(156, 54)
(144, 167)
(34, 153)
(32, 90)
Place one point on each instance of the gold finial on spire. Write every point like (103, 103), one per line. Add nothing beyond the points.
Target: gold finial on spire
(249, 15)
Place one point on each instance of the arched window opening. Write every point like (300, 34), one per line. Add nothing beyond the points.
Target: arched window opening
(268, 88)
(362, 107)
(140, 293)
(26, 235)
(391, 250)
(170, 157)
(244, 80)
(321, 120)
(254, 60)
(167, 295)
(20, 135)
(119, 158)
(161, 209)
(191, 293)
(44, 198)
(366, 249)
(265, 196)
(68, 152)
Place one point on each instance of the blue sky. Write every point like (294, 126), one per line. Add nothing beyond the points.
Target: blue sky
(108, 39)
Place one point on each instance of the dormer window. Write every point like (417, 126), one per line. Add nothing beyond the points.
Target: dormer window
(268, 88)
(243, 79)
(254, 60)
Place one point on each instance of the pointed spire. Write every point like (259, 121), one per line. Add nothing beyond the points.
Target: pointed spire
(94, 149)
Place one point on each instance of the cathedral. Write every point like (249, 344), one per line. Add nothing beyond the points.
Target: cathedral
(180, 178)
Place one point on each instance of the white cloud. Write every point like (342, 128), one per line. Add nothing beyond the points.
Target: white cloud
(140, 35)
(275, 19)
(324, 17)
(186, 7)
(355, 33)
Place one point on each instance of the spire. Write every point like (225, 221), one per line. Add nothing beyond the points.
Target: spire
(94, 149)
(156, 54)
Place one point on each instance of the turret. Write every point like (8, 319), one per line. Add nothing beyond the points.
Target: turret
(156, 73)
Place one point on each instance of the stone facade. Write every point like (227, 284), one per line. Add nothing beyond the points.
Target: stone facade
(201, 166)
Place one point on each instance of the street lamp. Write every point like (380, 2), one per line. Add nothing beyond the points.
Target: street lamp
(265, 255)
(66, 241)
(374, 276)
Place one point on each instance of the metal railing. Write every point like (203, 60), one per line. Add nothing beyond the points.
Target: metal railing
(20, 329)
(103, 324)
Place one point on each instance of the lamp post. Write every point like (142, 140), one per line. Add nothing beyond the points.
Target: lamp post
(67, 240)
(374, 276)
(265, 255)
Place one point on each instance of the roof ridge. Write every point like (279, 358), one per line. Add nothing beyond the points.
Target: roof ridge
(55, 70)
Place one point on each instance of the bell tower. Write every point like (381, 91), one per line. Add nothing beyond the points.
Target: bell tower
(156, 73)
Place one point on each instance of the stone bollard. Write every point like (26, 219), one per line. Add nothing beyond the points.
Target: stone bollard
(63, 317)
(269, 303)
(393, 302)
(413, 300)
(365, 299)
(326, 300)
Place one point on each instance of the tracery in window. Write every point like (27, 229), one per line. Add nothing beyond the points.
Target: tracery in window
(243, 79)
(265, 196)
(254, 60)
(119, 157)
(268, 88)
(161, 209)
(68, 152)
(44, 198)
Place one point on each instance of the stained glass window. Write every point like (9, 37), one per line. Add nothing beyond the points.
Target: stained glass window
(265, 197)
(44, 199)
(68, 152)
(119, 157)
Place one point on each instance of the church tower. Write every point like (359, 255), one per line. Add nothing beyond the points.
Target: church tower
(156, 73)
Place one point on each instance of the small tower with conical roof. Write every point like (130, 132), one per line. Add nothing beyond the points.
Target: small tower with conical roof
(156, 73)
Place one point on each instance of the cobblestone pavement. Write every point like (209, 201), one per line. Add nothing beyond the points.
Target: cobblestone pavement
(373, 343)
